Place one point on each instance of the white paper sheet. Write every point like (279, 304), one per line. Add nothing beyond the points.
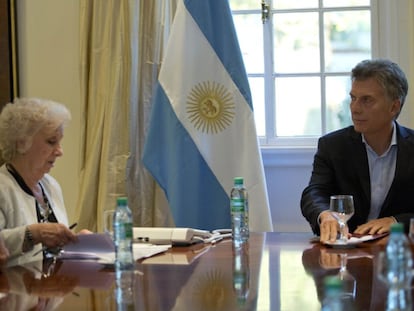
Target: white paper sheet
(100, 247)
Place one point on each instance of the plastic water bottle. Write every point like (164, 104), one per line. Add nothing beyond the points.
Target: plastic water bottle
(396, 269)
(399, 300)
(239, 211)
(123, 235)
(124, 292)
(333, 292)
(124, 259)
(241, 273)
(399, 259)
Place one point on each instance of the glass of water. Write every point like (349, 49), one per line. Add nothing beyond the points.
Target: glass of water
(108, 222)
(342, 208)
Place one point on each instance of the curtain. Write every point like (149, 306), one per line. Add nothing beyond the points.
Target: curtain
(121, 50)
(105, 95)
(396, 42)
(150, 28)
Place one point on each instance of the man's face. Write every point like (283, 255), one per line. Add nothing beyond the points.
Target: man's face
(372, 110)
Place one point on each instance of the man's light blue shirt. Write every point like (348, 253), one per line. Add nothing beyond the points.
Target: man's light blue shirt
(381, 172)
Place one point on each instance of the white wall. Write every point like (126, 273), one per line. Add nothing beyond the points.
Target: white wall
(48, 44)
(287, 173)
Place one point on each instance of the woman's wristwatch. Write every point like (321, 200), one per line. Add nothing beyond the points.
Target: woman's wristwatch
(28, 242)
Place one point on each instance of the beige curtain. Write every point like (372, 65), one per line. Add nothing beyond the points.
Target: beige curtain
(396, 41)
(151, 21)
(105, 92)
(121, 49)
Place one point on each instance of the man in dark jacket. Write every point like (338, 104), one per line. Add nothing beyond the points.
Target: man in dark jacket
(373, 160)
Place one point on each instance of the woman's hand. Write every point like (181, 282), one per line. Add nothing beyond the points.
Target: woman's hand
(52, 234)
(85, 231)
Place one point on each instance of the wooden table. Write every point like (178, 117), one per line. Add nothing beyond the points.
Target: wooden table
(280, 271)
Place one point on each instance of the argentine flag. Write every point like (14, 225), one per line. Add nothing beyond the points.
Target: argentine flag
(202, 132)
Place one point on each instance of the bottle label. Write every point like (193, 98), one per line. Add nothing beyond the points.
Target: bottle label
(128, 230)
(237, 205)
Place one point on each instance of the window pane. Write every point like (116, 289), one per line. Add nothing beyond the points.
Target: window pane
(257, 90)
(347, 39)
(340, 3)
(298, 106)
(304, 43)
(338, 114)
(295, 4)
(249, 30)
(244, 4)
(296, 40)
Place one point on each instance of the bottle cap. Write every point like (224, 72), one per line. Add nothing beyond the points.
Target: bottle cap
(122, 201)
(238, 180)
(397, 227)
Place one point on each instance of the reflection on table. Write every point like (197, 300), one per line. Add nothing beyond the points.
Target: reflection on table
(33, 286)
(274, 271)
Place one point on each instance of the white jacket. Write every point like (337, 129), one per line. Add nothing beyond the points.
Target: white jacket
(18, 209)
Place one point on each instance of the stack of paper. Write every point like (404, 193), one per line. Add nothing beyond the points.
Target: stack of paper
(100, 247)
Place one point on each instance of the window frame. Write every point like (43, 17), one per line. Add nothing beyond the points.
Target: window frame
(270, 140)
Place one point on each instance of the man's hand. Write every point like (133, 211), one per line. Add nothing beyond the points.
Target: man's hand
(376, 226)
(329, 260)
(328, 226)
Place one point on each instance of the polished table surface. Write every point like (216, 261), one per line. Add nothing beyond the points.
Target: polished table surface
(274, 271)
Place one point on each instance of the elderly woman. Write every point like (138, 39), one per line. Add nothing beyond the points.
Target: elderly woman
(32, 212)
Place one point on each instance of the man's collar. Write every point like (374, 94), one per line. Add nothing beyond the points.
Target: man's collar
(393, 137)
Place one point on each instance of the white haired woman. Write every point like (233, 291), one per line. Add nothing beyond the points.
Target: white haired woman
(32, 211)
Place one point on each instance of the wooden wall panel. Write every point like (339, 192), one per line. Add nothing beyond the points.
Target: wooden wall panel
(8, 52)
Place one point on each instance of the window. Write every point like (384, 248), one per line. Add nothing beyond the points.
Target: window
(298, 57)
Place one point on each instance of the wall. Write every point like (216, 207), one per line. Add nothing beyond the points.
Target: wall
(48, 32)
(287, 173)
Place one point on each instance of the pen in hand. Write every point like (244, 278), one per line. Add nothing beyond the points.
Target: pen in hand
(45, 247)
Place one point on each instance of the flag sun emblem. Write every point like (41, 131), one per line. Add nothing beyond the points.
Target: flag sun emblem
(210, 107)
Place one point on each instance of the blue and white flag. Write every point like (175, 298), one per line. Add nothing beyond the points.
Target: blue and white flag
(202, 132)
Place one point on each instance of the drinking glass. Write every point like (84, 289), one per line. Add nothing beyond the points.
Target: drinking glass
(342, 208)
(348, 280)
(108, 222)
